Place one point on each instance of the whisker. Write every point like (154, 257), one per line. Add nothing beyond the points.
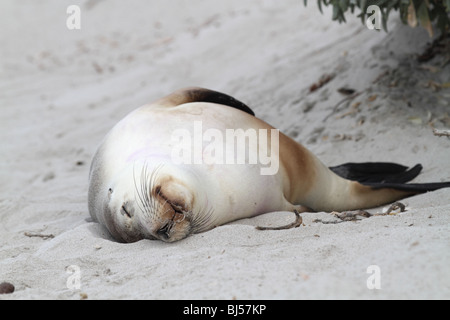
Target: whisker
(141, 201)
(202, 219)
(148, 181)
(145, 201)
(152, 181)
(144, 184)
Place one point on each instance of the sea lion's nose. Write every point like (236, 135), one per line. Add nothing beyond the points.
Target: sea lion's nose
(163, 232)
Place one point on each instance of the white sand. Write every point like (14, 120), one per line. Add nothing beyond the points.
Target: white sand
(61, 91)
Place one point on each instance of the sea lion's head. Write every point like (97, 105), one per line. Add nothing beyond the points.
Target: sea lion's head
(155, 202)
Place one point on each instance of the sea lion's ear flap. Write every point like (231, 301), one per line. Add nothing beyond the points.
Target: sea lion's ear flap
(195, 94)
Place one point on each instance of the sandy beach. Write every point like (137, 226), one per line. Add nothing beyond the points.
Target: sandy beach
(62, 90)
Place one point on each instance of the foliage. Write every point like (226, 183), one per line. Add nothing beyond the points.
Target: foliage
(412, 12)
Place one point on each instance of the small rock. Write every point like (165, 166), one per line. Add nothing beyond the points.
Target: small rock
(346, 91)
(83, 296)
(48, 176)
(6, 288)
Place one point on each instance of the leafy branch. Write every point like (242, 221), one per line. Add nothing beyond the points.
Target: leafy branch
(412, 12)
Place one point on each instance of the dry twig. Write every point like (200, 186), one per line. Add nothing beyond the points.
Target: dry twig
(353, 215)
(39, 235)
(441, 133)
(297, 223)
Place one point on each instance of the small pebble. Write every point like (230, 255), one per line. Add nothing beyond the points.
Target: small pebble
(6, 287)
(83, 296)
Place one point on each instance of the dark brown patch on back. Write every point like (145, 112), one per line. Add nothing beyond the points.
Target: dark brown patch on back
(195, 94)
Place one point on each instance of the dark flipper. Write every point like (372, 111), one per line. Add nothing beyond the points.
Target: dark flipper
(377, 172)
(380, 175)
(412, 187)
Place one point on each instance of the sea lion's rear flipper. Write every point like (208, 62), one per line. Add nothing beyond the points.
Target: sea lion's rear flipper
(377, 172)
(195, 94)
(378, 175)
(410, 187)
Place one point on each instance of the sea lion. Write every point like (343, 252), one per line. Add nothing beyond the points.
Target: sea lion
(140, 187)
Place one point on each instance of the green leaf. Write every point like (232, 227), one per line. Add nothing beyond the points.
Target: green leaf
(343, 4)
(411, 12)
(424, 18)
(447, 4)
(412, 15)
(363, 6)
(335, 13)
